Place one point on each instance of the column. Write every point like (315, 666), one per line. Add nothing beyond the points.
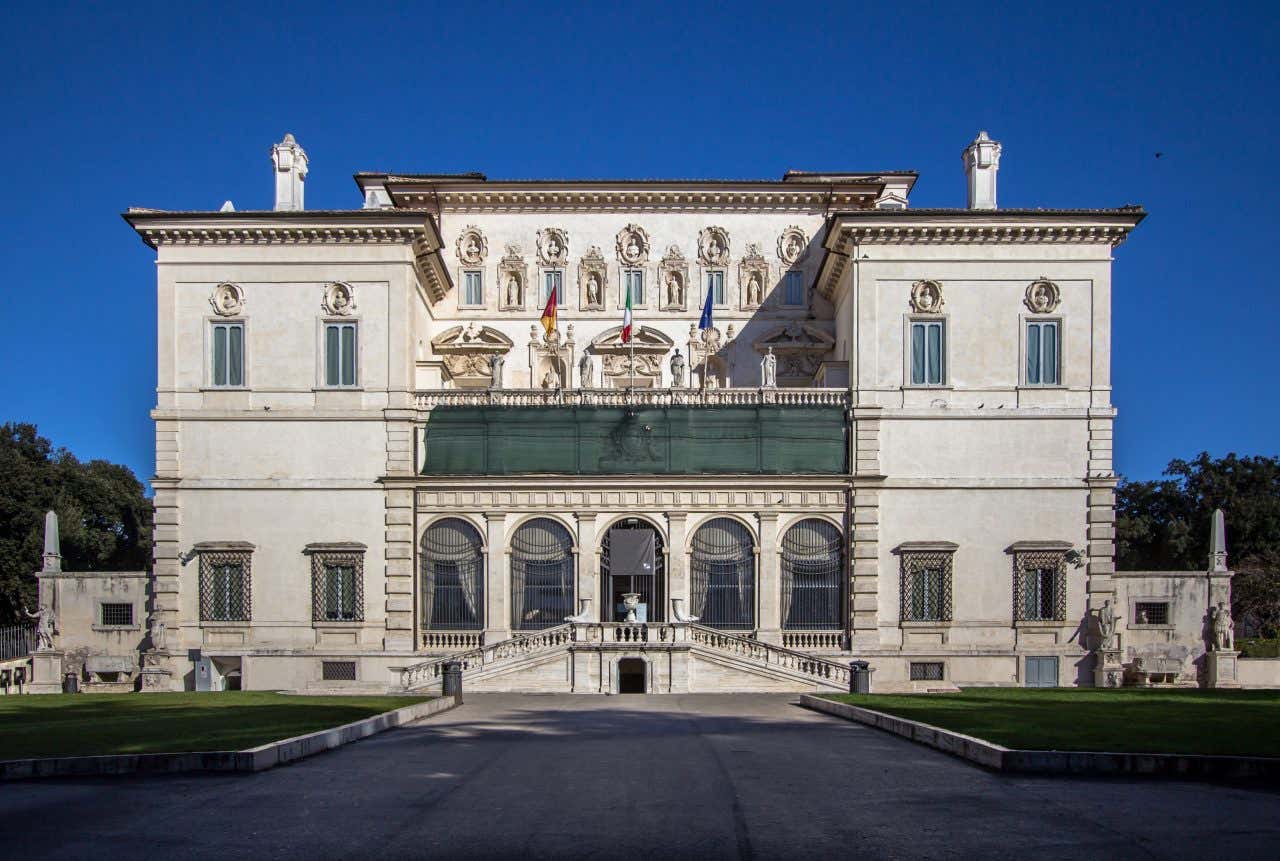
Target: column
(497, 626)
(588, 585)
(769, 625)
(677, 563)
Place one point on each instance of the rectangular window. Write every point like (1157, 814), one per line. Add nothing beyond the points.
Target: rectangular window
(340, 354)
(552, 279)
(795, 288)
(926, 585)
(1042, 353)
(928, 352)
(338, 671)
(715, 283)
(634, 280)
(117, 614)
(926, 671)
(337, 584)
(473, 287)
(1039, 594)
(228, 354)
(340, 593)
(224, 591)
(1144, 613)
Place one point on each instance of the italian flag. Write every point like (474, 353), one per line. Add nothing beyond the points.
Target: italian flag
(549, 313)
(626, 319)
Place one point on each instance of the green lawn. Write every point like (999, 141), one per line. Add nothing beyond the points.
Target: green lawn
(1243, 723)
(87, 724)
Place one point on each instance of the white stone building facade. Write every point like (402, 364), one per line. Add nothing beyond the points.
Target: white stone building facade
(893, 443)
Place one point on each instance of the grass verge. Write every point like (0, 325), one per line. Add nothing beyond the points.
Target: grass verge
(92, 724)
(1138, 720)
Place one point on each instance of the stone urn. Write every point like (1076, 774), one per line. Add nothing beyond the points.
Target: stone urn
(631, 600)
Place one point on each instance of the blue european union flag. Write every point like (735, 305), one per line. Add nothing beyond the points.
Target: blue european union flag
(705, 322)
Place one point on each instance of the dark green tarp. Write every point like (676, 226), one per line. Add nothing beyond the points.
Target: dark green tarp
(766, 440)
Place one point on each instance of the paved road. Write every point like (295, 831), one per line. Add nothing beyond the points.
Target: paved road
(709, 776)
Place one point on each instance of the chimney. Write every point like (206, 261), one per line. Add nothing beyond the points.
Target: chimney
(290, 161)
(981, 162)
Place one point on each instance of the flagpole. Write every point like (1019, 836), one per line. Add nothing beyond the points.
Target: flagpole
(631, 342)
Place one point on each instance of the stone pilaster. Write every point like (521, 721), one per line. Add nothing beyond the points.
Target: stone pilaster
(769, 624)
(677, 561)
(166, 580)
(497, 626)
(399, 536)
(1101, 514)
(588, 585)
(864, 586)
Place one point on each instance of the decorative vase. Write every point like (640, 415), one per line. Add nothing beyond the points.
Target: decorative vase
(631, 600)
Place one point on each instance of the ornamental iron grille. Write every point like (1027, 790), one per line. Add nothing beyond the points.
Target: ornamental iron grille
(812, 562)
(1151, 613)
(338, 671)
(226, 585)
(723, 568)
(925, 593)
(651, 587)
(117, 614)
(542, 574)
(926, 671)
(1040, 586)
(337, 585)
(452, 576)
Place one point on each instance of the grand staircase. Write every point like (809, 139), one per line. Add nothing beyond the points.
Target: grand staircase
(582, 657)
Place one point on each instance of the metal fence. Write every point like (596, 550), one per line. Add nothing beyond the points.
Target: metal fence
(17, 641)
(542, 573)
(812, 562)
(452, 577)
(723, 565)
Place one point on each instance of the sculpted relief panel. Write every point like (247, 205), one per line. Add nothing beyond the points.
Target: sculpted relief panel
(339, 299)
(472, 247)
(792, 245)
(633, 245)
(1043, 296)
(926, 297)
(713, 246)
(227, 300)
(553, 246)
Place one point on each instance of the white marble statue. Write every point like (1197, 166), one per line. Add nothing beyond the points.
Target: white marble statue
(593, 290)
(753, 290)
(46, 626)
(674, 294)
(1224, 629)
(551, 380)
(585, 371)
(1107, 626)
(159, 633)
(496, 371)
(677, 370)
(769, 370)
(513, 290)
(677, 611)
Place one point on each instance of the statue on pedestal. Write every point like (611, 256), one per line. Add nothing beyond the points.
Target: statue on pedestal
(46, 627)
(1107, 626)
(496, 371)
(769, 370)
(677, 370)
(1223, 629)
(585, 372)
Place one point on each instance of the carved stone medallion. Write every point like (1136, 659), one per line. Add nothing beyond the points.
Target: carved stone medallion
(472, 247)
(227, 300)
(713, 246)
(792, 245)
(512, 278)
(593, 277)
(926, 297)
(753, 278)
(1043, 296)
(633, 245)
(553, 246)
(339, 299)
(673, 280)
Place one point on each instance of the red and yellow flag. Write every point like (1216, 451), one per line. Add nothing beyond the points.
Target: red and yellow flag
(549, 313)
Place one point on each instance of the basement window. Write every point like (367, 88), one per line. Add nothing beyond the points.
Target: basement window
(926, 671)
(338, 671)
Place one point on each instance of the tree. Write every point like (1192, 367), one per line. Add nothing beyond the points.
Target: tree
(103, 514)
(1164, 525)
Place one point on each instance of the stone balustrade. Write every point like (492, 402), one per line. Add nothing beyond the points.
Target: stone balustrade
(808, 397)
(452, 641)
(818, 669)
(808, 641)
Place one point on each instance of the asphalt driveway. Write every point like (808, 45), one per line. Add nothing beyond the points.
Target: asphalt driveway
(686, 776)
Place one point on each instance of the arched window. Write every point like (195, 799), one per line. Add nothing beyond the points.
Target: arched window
(812, 562)
(542, 574)
(628, 572)
(723, 568)
(452, 577)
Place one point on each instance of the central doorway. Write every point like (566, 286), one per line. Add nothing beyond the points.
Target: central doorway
(631, 672)
(633, 559)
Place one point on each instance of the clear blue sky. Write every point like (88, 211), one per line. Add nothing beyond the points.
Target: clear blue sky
(126, 104)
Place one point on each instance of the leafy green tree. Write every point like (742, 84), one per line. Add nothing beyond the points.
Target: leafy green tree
(103, 514)
(1165, 524)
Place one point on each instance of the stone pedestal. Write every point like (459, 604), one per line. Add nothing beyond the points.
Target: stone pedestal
(1108, 672)
(156, 675)
(46, 672)
(1221, 669)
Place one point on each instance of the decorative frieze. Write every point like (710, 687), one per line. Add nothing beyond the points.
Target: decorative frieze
(720, 499)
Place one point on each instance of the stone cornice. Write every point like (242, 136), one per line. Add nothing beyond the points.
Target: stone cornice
(495, 197)
(344, 227)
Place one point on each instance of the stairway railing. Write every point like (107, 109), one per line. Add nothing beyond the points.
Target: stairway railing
(519, 646)
(818, 669)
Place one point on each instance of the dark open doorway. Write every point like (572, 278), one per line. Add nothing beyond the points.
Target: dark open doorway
(631, 672)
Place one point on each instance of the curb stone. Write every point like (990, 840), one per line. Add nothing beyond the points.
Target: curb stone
(1056, 762)
(223, 761)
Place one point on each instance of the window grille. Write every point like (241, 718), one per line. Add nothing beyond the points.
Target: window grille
(926, 671)
(795, 288)
(338, 671)
(117, 614)
(723, 568)
(340, 354)
(1151, 613)
(452, 584)
(228, 354)
(473, 287)
(928, 353)
(925, 593)
(337, 585)
(225, 581)
(651, 587)
(1042, 353)
(812, 564)
(542, 575)
(1040, 586)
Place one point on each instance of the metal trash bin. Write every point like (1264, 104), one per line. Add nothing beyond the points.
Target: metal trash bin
(453, 681)
(859, 677)
(70, 683)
